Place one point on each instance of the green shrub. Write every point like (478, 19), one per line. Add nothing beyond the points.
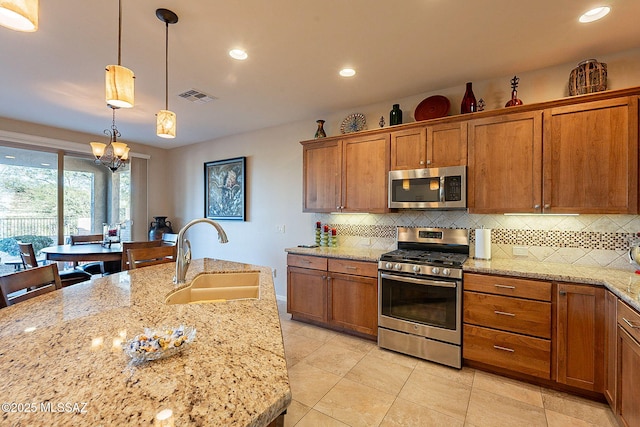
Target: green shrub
(10, 244)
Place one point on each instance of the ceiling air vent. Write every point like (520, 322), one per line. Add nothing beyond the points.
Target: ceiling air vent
(194, 95)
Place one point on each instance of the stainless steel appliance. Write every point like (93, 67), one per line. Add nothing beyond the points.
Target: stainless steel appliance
(432, 188)
(420, 294)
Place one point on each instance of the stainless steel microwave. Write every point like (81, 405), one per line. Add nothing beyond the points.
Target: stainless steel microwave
(432, 188)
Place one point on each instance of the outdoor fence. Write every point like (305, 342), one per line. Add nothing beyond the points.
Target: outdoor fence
(40, 226)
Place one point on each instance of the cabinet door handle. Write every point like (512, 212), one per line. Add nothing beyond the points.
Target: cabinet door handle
(510, 350)
(422, 162)
(504, 286)
(504, 313)
(428, 162)
(547, 206)
(350, 267)
(536, 206)
(631, 324)
(562, 293)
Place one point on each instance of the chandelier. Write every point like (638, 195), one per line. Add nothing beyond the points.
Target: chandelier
(112, 155)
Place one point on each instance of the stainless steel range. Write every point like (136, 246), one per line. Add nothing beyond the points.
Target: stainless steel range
(420, 294)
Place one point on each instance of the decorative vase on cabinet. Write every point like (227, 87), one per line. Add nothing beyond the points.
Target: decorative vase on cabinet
(320, 133)
(469, 104)
(395, 116)
(158, 227)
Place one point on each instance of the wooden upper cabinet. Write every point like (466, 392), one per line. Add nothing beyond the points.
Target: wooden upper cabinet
(322, 182)
(365, 170)
(505, 163)
(591, 157)
(432, 146)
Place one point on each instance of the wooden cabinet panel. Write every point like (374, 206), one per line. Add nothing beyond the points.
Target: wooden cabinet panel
(409, 149)
(580, 336)
(591, 157)
(365, 171)
(508, 314)
(321, 175)
(447, 145)
(359, 268)
(508, 286)
(628, 409)
(505, 163)
(307, 293)
(307, 261)
(353, 302)
(610, 348)
(515, 352)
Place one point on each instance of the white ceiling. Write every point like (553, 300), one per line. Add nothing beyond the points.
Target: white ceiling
(55, 76)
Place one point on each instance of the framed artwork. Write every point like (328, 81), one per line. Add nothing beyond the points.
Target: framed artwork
(224, 189)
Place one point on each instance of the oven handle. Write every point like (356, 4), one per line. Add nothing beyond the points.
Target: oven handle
(419, 281)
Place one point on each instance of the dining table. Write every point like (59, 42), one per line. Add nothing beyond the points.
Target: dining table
(84, 252)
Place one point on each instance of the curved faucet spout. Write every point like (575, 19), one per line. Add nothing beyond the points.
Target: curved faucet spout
(183, 257)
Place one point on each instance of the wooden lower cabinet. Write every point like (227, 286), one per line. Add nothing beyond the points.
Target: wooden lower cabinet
(610, 348)
(628, 366)
(336, 293)
(579, 342)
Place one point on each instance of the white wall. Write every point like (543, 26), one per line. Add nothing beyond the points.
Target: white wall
(274, 165)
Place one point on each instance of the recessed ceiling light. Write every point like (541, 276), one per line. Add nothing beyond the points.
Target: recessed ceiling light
(238, 54)
(594, 14)
(347, 72)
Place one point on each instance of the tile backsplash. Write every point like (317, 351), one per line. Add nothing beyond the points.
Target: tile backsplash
(592, 240)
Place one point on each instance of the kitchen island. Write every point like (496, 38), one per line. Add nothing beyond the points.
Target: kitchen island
(63, 363)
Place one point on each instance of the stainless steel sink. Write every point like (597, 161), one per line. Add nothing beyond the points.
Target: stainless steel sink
(218, 287)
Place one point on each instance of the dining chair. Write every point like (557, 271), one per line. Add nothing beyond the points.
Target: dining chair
(29, 283)
(169, 239)
(94, 267)
(145, 257)
(136, 245)
(68, 277)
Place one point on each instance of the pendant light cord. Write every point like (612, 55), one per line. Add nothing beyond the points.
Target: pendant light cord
(119, 31)
(166, 66)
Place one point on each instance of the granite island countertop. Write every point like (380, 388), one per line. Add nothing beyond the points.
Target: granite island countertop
(63, 351)
(623, 283)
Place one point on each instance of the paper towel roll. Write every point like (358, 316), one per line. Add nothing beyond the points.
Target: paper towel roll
(483, 243)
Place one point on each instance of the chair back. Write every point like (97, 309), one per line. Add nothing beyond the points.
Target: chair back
(136, 245)
(169, 239)
(80, 239)
(28, 255)
(29, 283)
(145, 257)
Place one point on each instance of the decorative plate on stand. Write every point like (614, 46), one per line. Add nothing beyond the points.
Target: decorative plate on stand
(432, 108)
(353, 123)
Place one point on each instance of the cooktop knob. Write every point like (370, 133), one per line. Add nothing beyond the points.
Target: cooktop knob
(388, 266)
(446, 271)
(398, 267)
(435, 270)
(416, 269)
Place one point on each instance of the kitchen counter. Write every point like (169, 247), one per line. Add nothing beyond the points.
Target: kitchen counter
(62, 361)
(623, 283)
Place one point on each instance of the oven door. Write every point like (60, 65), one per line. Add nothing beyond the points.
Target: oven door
(421, 306)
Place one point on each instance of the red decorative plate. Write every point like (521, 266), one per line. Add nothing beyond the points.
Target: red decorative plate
(432, 108)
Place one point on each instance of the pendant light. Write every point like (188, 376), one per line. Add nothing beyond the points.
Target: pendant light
(166, 120)
(112, 155)
(19, 15)
(119, 85)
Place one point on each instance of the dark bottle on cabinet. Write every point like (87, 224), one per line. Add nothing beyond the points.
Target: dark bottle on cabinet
(395, 116)
(469, 104)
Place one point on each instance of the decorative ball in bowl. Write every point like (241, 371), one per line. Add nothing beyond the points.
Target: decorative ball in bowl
(159, 343)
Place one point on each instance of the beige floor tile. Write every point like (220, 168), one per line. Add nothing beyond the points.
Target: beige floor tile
(587, 410)
(297, 347)
(295, 412)
(556, 419)
(290, 327)
(447, 396)
(353, 343)
(309, 384)
(316, 332)
(335, 359)
(380, 374)
(463, 376)
(406, 414)
(318, 419)
(492, 410)
(507, 387)
(392, 356)
(355, 404)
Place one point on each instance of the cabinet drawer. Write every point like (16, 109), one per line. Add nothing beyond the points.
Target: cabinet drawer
(508, 314)
(527, 355)
(629, 320)
(508, 286)
(358, 268)
(306, 261)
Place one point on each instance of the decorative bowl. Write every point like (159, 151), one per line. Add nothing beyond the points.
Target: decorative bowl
(159, 343)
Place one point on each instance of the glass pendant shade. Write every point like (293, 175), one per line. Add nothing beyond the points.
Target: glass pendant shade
(19, 15)
(119, 86)
(97, 148)
(119, 149)
(166, 124)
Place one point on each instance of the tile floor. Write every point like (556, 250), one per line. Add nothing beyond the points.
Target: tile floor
(339, 380)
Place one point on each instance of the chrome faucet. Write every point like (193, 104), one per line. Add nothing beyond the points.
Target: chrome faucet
(183, 257)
